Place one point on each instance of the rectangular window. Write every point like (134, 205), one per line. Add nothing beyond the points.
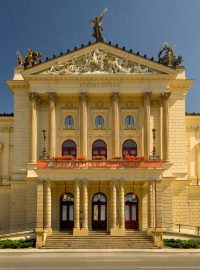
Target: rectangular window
(127, 213)
(71, 212)
(133, 212)
(103, 212)
(64, 212)
(95, 216)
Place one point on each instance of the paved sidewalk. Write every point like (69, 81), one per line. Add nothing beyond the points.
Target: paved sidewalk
(164, 250)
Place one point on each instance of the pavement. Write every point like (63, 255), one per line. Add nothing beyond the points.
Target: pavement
(163, 250)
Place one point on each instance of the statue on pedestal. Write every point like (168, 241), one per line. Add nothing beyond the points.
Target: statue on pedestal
(97, 28)
(169, 59)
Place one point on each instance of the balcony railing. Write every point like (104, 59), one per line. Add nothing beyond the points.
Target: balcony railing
(97, 164)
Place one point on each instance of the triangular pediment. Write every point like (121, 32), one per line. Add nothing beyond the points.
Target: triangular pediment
(98, 58)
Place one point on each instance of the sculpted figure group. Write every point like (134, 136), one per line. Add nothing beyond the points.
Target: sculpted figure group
(166, 56)
(32, 58)
(97, 62)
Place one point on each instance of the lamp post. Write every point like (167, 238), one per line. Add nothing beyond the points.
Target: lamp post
(154, 153)
(44, 155)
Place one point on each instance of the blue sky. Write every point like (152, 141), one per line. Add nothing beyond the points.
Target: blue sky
(51, 26)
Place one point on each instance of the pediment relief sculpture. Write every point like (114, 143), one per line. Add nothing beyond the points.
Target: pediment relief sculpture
(97, 62)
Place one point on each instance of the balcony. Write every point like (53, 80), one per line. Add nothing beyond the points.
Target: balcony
(99, 164)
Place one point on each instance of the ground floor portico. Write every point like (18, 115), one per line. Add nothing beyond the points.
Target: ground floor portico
(114, 206)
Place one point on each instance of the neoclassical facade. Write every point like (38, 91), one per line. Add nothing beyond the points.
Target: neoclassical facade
(99, 140)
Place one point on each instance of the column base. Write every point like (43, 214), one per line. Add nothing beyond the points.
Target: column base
(48, 231)
(150, 231)
(39, 237)
(121, 232)
(158, 237)
(76, 231)
(114, 231)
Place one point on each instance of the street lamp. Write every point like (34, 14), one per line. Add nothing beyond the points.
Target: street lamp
(44, 155)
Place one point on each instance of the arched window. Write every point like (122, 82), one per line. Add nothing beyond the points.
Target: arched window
(69, 148)
(129, 147)
(69, 121)
(99, 120)
(129, 120)
(99, 148)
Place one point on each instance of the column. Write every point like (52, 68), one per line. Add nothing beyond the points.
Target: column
(147, 99)
(113, 229)
(85, 208)
(52, 109)
(165, 98)
(150, 208)
(158, 214)
(76, 230)
(33, 99)
(83, 125)
(39, 227)
(6, 156)
(48, 228)
(116, 124)
(121, 208)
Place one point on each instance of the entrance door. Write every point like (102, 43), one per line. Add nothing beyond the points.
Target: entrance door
(99, 212)
(131, 211)
(67, 211)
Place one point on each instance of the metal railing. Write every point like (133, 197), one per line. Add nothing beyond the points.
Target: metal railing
(181, 228)
(14, 229)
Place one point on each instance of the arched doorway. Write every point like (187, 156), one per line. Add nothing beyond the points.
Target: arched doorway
(99, 148)
(129, 147)
(131, 211)
(67, 211)
(99, 211)
(69, 148)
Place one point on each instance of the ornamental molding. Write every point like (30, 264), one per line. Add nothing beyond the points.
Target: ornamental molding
(98, 62)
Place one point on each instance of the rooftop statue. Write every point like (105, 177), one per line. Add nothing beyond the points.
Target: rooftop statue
(32, 58)
(97, 28)
(166, 56)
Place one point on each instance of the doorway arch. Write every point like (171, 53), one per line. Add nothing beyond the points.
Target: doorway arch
(131, 211)
(99, 211)
(67, 211)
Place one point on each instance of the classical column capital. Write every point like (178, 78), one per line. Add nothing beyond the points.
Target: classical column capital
(165, 95)
(147, 95)
(83, 96)
(52, 96)
(85, 182)
(113, 183)
(33, 96)
(115, 96)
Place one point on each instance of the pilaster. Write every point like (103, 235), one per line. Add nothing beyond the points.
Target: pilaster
(34, 100)
(52, 111)
(158, 233)
(115, 124)
(84, 229)
(121, 209)
(47, 227)
(113, 229)
(83, 124)
(76, 230)
(147, 99)
(40, 215)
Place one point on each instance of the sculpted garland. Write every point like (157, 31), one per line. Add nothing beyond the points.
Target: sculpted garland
(97, 62)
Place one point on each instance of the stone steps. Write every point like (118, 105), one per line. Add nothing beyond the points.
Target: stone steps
(99, 240)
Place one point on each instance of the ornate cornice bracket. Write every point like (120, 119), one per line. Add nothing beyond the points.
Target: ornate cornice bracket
(165, 95)
(115, 96)
(83, 96)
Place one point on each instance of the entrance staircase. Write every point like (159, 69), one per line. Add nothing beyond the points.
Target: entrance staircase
(99, 240)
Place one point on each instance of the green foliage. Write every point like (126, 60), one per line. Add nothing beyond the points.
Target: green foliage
(21, 243)
(178, 243)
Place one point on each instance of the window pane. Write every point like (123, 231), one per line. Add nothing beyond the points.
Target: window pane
(125, 152)
(95, 152)
(95, 217)
(99, 143)
(133, 212)
(71, 212)
(64, 212)
(69, 143)
(102, 152)
(69, 120)
(103, 212)
(127, 213)
(133, 152)
(99, 120)
(129, 143)
(129, 120)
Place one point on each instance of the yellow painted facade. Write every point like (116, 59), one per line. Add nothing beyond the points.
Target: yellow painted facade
(153, 95)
